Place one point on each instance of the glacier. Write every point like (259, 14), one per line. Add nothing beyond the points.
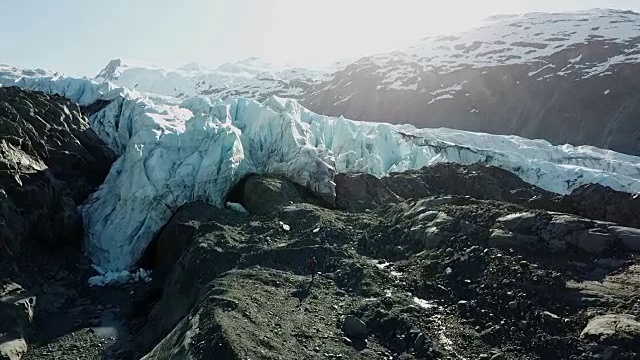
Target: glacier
(173, 153)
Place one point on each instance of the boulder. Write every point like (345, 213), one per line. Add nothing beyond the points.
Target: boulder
(502, 238)
(12, 348)
(518, 222)
(613, 328)
(357, 192)
(609, 263)
(594, 240)
(263, 195)
(236, 207)
(610, 353)
(419, 342)
(354, 327)
(600, 202)
(422, 209)
(630, 237)
(557, 230)
(550, 318)
(16, 310)
(165, 250)
(562, 225)
(430, 236)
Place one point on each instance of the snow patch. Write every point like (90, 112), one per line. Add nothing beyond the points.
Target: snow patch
(346, 98)
(441, 97)
(542, 68)
(425, 304)
(574, 60)
(284, 226)
(451, 89)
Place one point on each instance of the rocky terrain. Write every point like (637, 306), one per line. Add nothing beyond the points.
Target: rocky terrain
(430, 276)
(445, 262)
(50, 161)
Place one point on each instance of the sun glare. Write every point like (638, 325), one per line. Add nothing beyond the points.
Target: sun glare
(337, 29)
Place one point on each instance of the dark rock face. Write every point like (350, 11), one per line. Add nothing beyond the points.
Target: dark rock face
(16, 317)
(175, 237)
(356, 192)
(601, 202)
(179, 258)
(477, 181)
(264, 194)
(50, 161)
(362, 191)
(500, 100)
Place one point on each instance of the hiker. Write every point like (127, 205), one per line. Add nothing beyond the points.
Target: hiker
(312, 267)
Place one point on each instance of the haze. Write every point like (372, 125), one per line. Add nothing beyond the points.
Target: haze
(79, 37)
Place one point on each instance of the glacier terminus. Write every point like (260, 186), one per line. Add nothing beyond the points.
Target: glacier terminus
(172, 152)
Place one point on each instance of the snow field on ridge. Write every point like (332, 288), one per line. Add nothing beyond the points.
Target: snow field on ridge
(515, 39)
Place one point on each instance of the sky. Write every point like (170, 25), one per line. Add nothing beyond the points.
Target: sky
(79, 37)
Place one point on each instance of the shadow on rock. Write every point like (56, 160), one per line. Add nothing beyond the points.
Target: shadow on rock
(302, 292)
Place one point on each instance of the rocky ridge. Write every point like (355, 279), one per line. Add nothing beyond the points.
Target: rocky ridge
(50, 161)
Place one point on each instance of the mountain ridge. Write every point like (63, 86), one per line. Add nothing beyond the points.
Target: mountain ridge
(564, 77)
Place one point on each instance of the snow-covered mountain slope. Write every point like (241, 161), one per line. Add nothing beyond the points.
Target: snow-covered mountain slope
(197, 150)
(251, 78)
(517, 39)
(564, 77)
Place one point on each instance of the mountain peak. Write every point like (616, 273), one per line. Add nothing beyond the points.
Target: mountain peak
(110, 72)
(115, 67)
(191, 66)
